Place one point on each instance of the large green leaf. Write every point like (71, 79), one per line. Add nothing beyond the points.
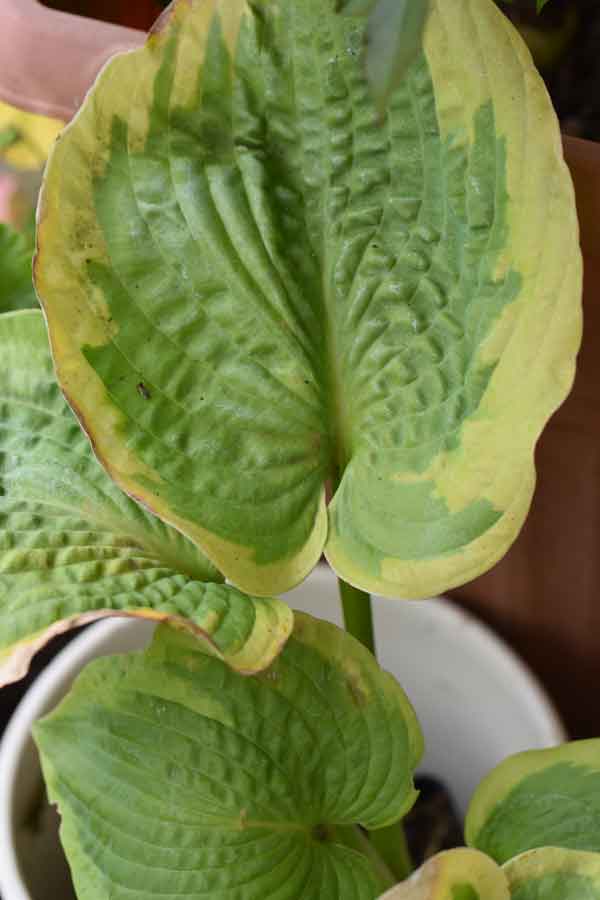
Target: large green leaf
(553, 874)
(536, 799)
(16, 285)
(73, 548)
(187, 780)
(460, 874)
(253, 285)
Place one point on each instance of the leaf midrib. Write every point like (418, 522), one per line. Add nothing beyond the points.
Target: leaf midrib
(336, 407)
(337, 414)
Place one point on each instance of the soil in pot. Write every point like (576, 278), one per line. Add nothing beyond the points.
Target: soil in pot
(432, 824)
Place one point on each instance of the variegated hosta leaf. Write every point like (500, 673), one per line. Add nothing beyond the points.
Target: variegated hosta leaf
(553, 874)
(253, 284)
(16, 285)
(536, 799)
(545, 874)
(460, 874)
(187, 780)
(73, 548)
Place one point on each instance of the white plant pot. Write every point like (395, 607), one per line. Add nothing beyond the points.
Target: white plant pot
(477, 703)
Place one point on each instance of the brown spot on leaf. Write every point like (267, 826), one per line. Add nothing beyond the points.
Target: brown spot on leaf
(320, 833)
(357, 691)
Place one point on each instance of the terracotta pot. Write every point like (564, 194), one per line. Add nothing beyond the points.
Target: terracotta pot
(544, 597)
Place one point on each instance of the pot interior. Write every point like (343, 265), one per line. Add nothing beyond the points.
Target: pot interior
(40, 856)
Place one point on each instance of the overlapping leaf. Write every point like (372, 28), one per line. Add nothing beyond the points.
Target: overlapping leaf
(460, 874)
(73, 548)
(188, 780)
(253, 285)
(545, 874)
(536, 799)
(553, 874)
(393, 40)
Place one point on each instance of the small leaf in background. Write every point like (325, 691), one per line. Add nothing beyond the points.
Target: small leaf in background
(26, 138)
(394, 40)
(539, 798)
(8, 137)
(16, 284)
(460, 874)
(553, 874)
(25, 141)
(223, 786)
(75, 548)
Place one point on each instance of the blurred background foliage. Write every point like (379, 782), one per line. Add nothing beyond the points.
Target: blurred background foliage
(565, 42)
(25, 141)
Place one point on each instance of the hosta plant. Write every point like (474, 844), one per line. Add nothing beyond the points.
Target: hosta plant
(288, 315)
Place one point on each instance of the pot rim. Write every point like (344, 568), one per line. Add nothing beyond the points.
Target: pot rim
(446, 614)
(16, 737)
